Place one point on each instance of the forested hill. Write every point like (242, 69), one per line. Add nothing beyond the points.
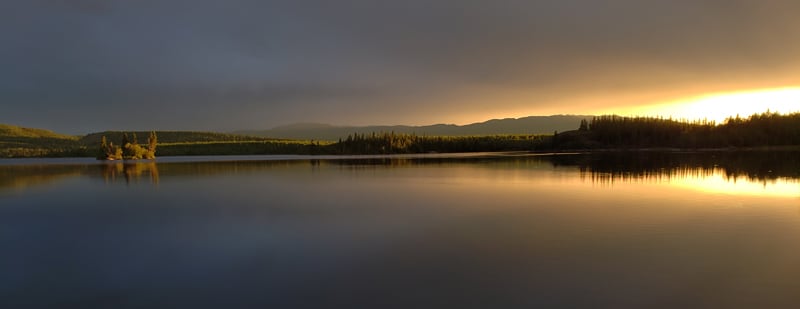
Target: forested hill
(20, 141)
(525, 125)
(15, 132)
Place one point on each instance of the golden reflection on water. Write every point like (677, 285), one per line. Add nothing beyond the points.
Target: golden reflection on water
(18, 179)
(709, 180)
(718, 181)
(772, 177)
(130, 172)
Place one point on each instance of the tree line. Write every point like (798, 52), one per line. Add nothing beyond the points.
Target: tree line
(765, 129)
(394, 143)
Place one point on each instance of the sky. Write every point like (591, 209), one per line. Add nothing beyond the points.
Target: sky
(79, 66)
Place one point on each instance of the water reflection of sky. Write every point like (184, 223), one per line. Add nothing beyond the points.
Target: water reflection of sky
(716, 181)
(720, 182)
(558, 173)
(521, 232)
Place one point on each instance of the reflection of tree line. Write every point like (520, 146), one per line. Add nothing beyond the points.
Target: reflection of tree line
(602, 167)
(130, 172)
(759, 166)
(753, 165)
(24, 176)
(21, 177)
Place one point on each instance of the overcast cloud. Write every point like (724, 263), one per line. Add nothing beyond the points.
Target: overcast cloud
(78, 66)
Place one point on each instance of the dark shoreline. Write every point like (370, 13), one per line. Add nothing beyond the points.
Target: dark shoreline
(539, 152)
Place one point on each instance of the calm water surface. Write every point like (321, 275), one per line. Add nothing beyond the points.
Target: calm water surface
(647, 230)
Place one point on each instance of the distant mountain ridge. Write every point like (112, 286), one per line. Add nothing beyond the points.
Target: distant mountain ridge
(524, 125)
(171, 137)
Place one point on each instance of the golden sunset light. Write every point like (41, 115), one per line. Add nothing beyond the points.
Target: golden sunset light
(719, 106)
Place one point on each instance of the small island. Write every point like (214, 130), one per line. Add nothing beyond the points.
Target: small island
(128, 149)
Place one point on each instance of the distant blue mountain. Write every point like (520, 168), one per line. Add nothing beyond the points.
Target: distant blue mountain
(525, 125)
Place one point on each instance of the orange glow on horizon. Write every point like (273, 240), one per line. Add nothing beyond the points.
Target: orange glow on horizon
(719, 106)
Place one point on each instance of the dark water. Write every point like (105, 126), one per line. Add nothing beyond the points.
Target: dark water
(648, 230)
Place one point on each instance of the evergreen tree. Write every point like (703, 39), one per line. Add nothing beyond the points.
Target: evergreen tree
(584, 125)
(554, 141)
(152, 141)
(104, 143)
(104, 149)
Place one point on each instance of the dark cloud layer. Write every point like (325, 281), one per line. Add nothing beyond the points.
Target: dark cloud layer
(83, 65)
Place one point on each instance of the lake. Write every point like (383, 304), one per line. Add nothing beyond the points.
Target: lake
(611, 230)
